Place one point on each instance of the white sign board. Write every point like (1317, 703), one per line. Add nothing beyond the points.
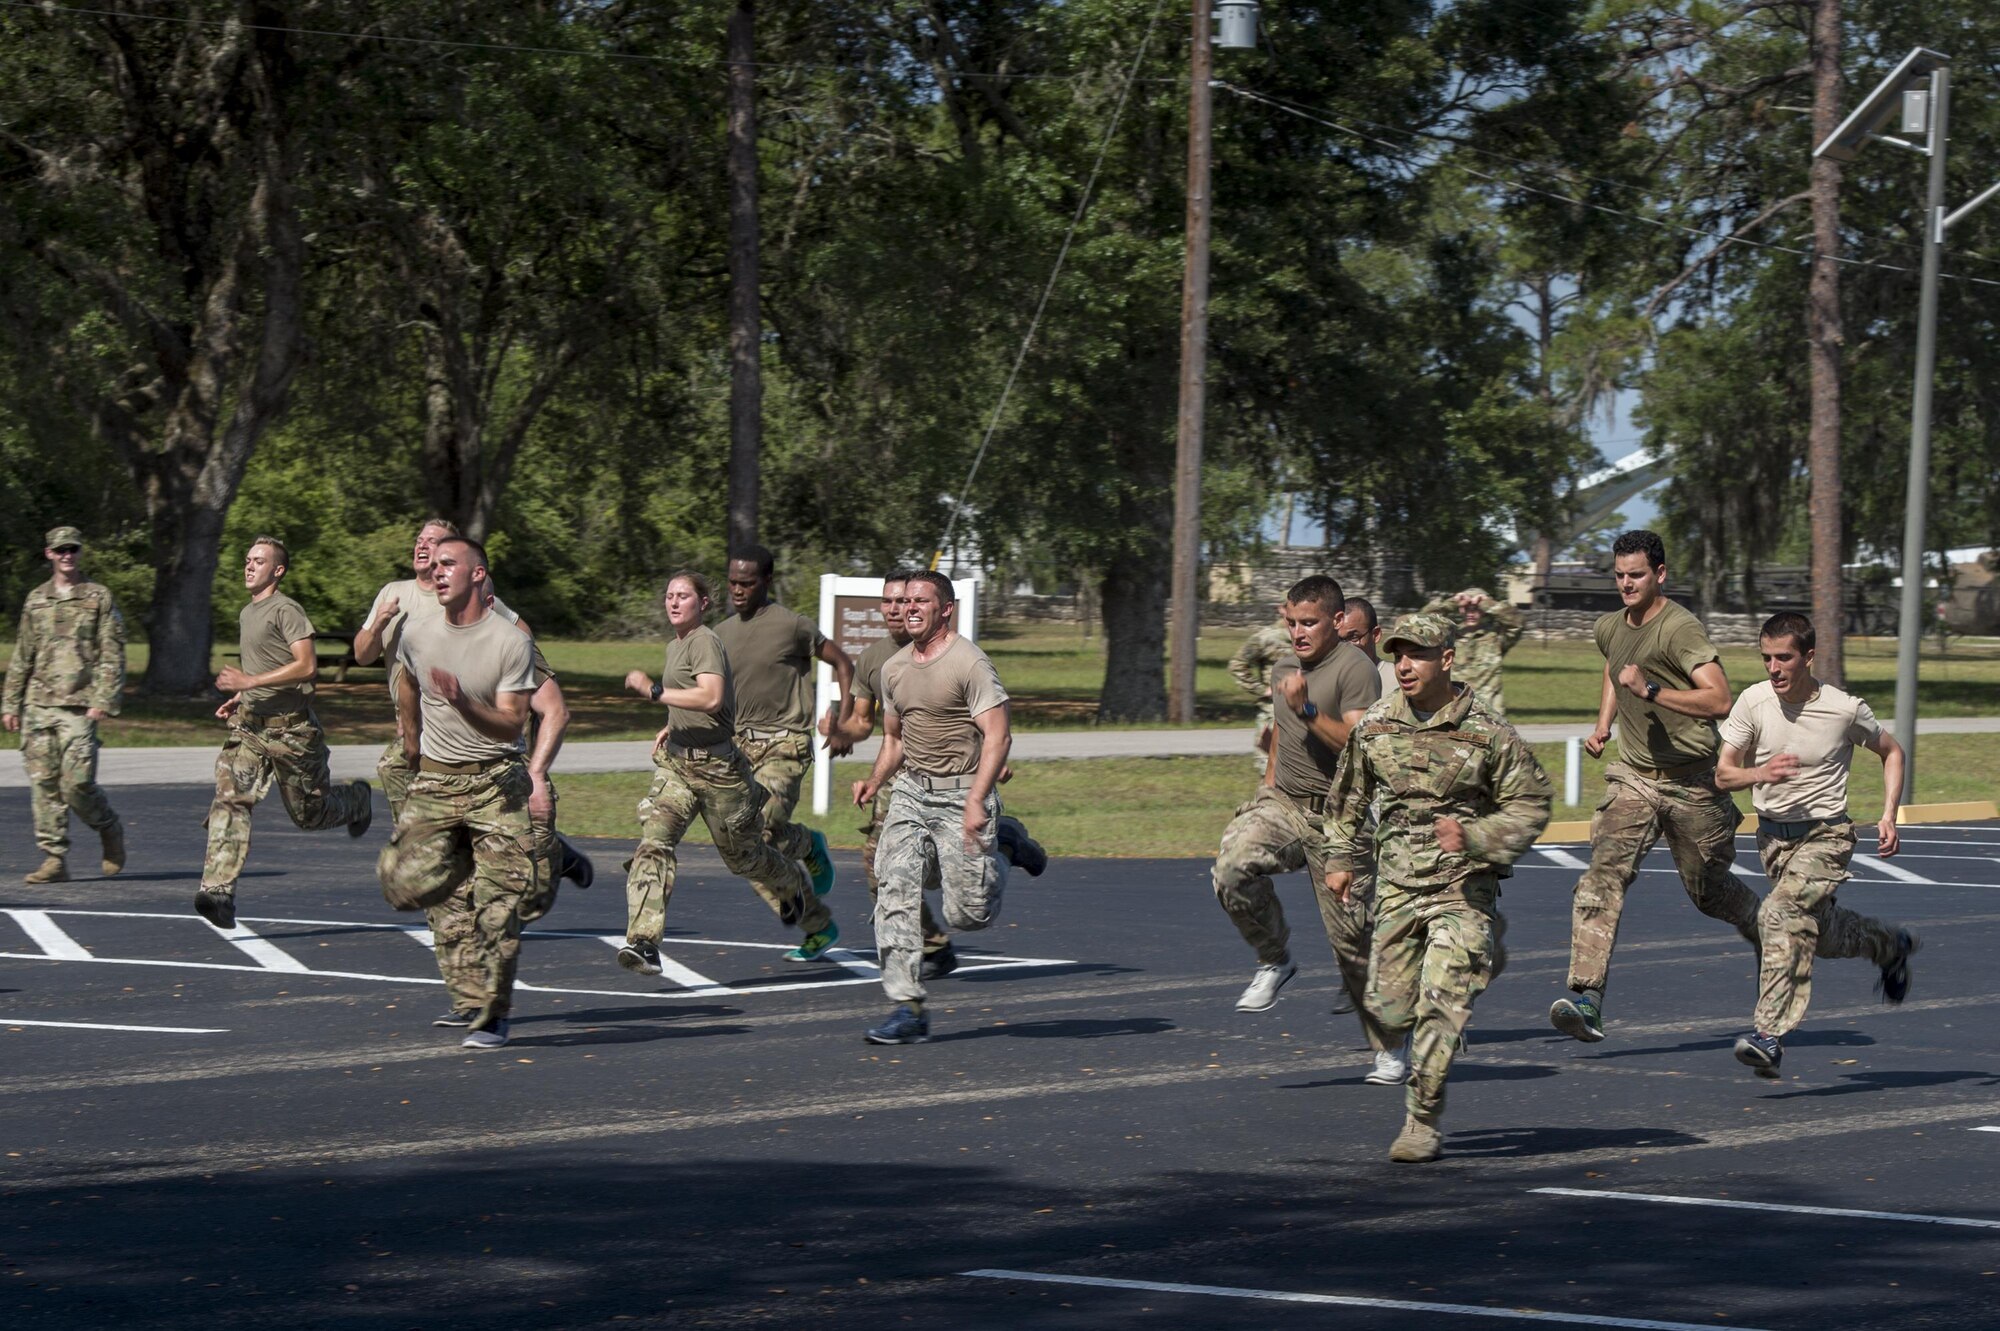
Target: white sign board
(850, 613)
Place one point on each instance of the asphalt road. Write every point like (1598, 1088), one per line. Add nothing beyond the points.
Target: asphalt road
(306, 1150)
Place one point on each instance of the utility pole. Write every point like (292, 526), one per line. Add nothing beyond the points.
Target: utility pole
(1184, 605)
(746, 320)
(1823, 340)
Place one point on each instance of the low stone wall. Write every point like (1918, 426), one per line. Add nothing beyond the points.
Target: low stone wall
(1726, 630)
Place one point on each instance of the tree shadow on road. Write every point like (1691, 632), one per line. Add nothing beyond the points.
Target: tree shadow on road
(1861, 1083)
(1460, 1072)
(1077, 1028)
(1517, 1142)
(1796, 1040)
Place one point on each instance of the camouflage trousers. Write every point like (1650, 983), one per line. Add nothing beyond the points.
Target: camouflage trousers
(778, 762)
(1433, 955)
(935, 938)
(924, 848)
(1275, 834)
(463, 852)
(59, 752)
(1260, 735)
(1699, 824)
(289, 749)
(395, 772)
(1799, 921)
(719, 789)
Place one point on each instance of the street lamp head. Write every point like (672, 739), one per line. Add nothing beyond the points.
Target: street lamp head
(1881, 106)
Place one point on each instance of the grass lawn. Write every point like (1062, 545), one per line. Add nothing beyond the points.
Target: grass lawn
(1179, 806)
(1054, 675)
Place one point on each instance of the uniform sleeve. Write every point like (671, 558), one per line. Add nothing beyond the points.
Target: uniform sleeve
(1691, 649)
(810, 639)
(518, 675)
(502, 609)
(1360, 685)
(1508, 623)
(1247, 667)
(983, 690)
(107, 681)
(544, 672)
(705, 657)
(1522, 792)
(1739, 729)
(1347, 806)
(22, 666)
(293, 624)
(1864, 728)
(1442, 605)
(1601, 634)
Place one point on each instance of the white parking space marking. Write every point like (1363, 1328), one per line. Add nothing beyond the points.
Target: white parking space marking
(106, 1026)
(1728, 1204)
(1562, 858)
(685, 976)
(848, 961)
(1991, 1128)
(47, 935)
(1342, 1300)
(264, 953)
(1895, 871)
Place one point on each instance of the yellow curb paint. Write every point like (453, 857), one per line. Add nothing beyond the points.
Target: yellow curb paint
(1966, 811)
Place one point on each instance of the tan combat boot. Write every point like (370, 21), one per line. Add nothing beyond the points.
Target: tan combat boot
(114, 848)
(1416, 1143)
(53, 870)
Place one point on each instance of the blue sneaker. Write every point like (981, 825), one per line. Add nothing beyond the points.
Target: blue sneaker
(491, 1037)
(1761, 1053)
(902, 1027)
(1578, 1017)
(820, 864)
(1894, 986)
(815, 945)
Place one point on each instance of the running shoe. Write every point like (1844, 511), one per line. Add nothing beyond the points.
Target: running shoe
(936, 965)
(460, 1016)
(358, 825)
(493, 1037)
(1343, 1002)
(815, 945)
(820, 863)
(1578, 1017)
(1262, 993)
(217, 906)
(641, 955)
(1022, 851)
(903, 1027)
(1894, 986)
(576, 865)
(1760, 1053)
(1392, 1068)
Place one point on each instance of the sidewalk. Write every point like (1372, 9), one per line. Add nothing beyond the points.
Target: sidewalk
(196, 766)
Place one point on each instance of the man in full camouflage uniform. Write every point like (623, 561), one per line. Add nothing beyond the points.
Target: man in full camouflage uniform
(1251, 668)
(67, 674)
(1461, 798)
(274, 735)
(1486, 631)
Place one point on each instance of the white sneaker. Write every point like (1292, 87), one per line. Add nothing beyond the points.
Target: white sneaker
(1392, 1068)
(1264, 986)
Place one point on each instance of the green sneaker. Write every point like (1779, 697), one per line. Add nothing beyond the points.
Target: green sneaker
(1578, 1017)
(820, 864)
(815, 945)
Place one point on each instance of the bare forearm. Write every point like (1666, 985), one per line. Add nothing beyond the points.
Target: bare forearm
(1706, 704)
(1892, 782)
(368, 645)
(887, 760)
(1607, 703)
(992, 757)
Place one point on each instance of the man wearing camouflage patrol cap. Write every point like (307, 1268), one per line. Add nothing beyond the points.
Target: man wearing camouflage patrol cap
(1461, 798)
(67, 674)
(1485, 630)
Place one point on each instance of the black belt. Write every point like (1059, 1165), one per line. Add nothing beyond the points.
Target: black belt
(722, 750)
(1798, 827)
(1315, 804)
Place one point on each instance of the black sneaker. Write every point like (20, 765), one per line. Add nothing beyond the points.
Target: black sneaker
(576, 865)
(358, 825)
(1761, 1053)
(1022, 851)
(218, 907)
(1894, 985)
(902, 1027)
(462, 1016)
(938, 964)
(641, 955)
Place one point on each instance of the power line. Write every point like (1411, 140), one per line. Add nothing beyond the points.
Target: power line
(1048, 289)
(1727, 238)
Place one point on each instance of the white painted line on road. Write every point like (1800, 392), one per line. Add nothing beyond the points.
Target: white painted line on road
(861, 966)
(47, 935)
(1727, 1204)
(1343, 1301)
(261, 951)
(1990, 1128)
(1563, 858)
(218, 966)
(106, 1026)
(1895, 871)
(686, 977)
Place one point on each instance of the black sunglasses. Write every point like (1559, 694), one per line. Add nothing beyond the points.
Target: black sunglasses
(69, 549)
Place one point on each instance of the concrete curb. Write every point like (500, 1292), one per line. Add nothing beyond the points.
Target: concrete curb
(1970, 811)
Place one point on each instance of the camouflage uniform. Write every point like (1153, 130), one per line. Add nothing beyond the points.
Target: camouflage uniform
(1251, 668)
(1476, 652)
(1699, 822)
(716, 784)
(935, 937)
(1434, 940)
(778, 761)
(1807, 863)
(923, 848)
(289, 748)
(463, 851)
(69, 656)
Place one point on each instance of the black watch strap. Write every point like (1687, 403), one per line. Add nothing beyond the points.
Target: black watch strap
(1653, 691)
(658, 689)
(1309, 711)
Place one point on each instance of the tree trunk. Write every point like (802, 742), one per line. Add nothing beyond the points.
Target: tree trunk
(1135, 628)
(186, 542)
(746, 384)
(1824, 337)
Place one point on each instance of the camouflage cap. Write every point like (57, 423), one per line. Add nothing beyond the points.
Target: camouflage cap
(1419, 631)
(61, 536)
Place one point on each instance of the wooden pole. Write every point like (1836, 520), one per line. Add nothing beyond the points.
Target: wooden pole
(746, 321)
(1185, 599)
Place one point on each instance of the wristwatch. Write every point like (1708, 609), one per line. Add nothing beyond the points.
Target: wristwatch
(658, 689)
(1309, 711)
(1652, 691)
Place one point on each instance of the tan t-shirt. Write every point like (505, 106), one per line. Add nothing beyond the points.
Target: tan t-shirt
(868, 670)
(771, 657)
(490, 657)
(936, 701)
(265, 633)
(415, 603)
(1386, 672)
(1821, 733)
(699, 653)
(1669, 648)
(1342, 681)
